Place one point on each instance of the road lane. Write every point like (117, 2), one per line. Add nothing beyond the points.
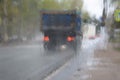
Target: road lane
(29, 62)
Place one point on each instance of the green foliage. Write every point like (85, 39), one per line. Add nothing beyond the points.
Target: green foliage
(23, 14)
(85, 16)
(60, 4)
(49, 4)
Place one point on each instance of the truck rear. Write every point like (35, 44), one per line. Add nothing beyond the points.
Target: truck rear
(59, 28)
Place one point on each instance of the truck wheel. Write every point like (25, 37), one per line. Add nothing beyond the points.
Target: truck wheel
(47, 46)
(75, 46)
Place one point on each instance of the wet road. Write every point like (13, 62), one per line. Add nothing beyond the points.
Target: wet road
(29, 62)
(95, 61)
(78, 62)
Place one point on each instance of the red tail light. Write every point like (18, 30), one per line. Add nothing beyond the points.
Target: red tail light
(70, 38)
(46, 38)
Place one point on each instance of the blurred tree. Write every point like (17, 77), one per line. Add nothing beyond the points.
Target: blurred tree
(19, 16)
(111, 23)
(115, 24)
(5, 19)
(60, 4)
(85, 16)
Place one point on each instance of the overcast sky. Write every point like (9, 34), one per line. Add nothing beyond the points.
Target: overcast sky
(94, 7)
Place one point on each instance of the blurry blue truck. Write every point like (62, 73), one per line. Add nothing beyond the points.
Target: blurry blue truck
(60, 28)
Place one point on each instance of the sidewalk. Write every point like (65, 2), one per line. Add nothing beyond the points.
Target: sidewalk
(105, 65)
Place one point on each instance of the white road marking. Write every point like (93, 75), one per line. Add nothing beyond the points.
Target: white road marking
(57, 71)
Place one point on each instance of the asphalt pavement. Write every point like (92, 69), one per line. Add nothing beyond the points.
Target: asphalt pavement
(30, 61)
(77, 62)
(95, 61)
